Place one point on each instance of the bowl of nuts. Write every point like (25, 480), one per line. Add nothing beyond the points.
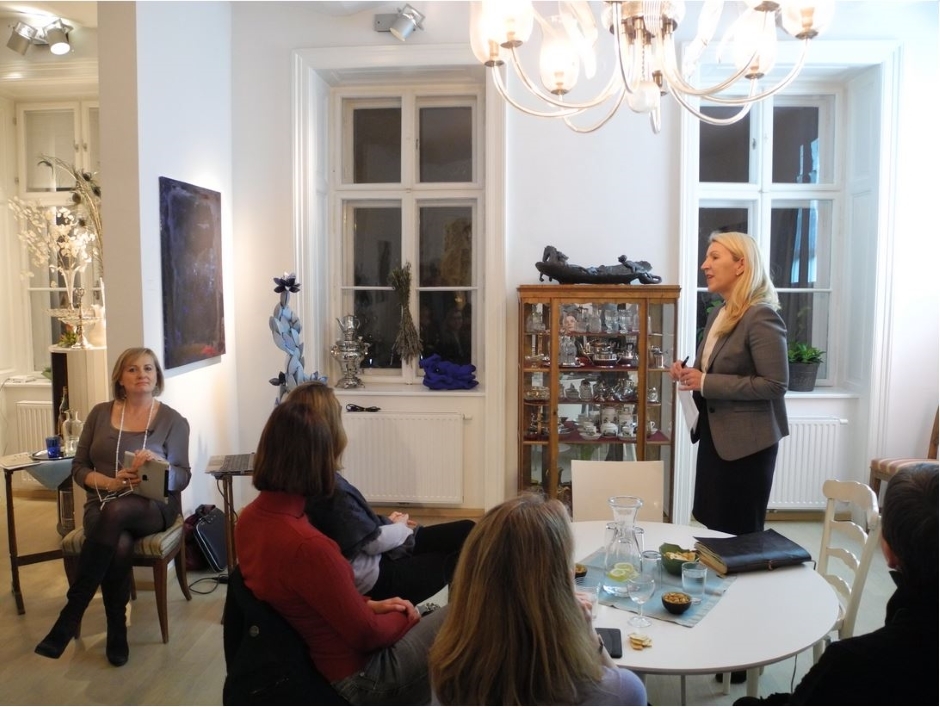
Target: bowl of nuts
(674, 556)
(676, 602)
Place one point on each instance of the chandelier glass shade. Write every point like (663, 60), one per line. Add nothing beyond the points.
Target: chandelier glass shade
(645, 64)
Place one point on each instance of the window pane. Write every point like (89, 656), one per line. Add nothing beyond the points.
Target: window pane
(724, 154)
(800, 242)
(379, 315)
(796, 145)
(446, 325)
(705, 303)
(376, 245)
(807, 318)
(446, 234)
(718, 219)
(48, 132)
(376, 145)
(446, 145)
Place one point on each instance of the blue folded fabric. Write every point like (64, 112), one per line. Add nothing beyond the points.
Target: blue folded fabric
(447, 375)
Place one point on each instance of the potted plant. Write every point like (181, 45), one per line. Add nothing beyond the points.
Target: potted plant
(804, 364)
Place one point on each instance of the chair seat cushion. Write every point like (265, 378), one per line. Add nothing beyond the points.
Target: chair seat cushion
(157, 545)
(888, 467)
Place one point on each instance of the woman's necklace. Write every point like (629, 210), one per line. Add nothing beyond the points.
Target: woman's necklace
(117, 447)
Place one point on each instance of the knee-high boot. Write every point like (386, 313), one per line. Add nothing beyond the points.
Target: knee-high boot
(116, 592)
(92, 566)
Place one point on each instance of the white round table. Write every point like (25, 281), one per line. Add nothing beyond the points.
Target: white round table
(764, 617)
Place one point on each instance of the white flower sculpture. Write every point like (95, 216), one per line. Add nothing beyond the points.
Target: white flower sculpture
(55, 240)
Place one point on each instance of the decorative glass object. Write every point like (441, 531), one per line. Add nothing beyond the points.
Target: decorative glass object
(623, 549)
(71, 432)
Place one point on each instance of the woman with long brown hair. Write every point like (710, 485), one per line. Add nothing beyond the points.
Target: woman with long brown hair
(516, 633)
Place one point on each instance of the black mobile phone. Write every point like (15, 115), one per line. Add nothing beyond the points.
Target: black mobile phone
(612, 641)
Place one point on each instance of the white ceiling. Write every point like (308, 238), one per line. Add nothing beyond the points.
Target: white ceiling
(77, 14)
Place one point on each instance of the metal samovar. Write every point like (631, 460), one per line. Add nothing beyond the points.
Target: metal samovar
(349, 352)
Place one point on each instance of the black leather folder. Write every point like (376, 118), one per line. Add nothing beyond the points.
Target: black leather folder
(764, 550)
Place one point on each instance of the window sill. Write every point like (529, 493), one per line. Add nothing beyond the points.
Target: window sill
(405, 389)
(823, 393)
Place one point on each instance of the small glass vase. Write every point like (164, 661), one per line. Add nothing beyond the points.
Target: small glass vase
(71, 432)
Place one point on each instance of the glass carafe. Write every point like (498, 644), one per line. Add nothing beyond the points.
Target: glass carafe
(624, 548)
(71, 431)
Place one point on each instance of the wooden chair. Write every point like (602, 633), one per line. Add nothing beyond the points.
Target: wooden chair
(593, 482)
(155, 551)
(883, 469)
(837, 534)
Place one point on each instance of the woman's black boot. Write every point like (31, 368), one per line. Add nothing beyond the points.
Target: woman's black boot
(116, 594)
(92, 565)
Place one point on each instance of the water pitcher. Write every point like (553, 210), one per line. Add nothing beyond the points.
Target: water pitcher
(623, 546)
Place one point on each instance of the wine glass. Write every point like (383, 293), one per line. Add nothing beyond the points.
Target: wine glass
(640, 589)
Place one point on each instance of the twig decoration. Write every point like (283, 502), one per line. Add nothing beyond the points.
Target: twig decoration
(408, 342)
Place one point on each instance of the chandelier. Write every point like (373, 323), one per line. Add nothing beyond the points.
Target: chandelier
(645, 63)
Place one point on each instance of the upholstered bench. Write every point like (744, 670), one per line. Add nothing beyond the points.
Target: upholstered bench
(156, 551)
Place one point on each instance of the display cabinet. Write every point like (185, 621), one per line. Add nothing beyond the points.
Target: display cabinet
(594, 380)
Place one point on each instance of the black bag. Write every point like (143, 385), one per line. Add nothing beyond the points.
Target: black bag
(208, 534)
(195, 560)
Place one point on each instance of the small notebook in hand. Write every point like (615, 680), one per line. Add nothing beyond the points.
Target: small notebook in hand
(764, 550)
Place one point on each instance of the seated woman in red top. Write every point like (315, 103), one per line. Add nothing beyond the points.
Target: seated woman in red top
(373, 652)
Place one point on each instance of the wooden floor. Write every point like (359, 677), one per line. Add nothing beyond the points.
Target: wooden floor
(191, 668)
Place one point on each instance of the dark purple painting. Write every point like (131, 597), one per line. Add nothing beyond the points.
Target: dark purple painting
(191, 248)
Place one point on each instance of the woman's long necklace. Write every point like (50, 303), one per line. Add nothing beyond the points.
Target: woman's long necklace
(117, 451)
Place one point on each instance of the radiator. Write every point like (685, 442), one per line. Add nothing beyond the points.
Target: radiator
(405, 457)
(813, 452)
(33, 424)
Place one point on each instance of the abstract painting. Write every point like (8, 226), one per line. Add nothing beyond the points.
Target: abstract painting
(191, 250)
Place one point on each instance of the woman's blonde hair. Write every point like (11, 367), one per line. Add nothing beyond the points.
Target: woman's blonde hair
(752, 287)
(320, 397)
(123, 361)
(515, 633)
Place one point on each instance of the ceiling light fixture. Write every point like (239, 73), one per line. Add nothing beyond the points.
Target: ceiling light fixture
(57, 37)
(400, 24)
(21, 38)
(55, 34)
(645, 65)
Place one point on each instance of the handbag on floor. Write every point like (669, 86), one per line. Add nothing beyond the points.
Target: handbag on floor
(209, 532)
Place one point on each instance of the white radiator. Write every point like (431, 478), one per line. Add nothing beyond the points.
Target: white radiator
(405, 457)
(813, 452)
(33, 425)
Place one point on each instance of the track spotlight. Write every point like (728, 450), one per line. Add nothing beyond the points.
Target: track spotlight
(402, 24)
(57, 36)
(21, 38)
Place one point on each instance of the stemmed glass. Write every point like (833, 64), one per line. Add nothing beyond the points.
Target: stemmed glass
(640, 589)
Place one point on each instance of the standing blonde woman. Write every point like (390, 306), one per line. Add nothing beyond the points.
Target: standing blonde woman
(738, 381)
(134, 421)
(516, 633)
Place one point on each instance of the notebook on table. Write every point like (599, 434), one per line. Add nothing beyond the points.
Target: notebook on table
(231, 463)
(764, 550)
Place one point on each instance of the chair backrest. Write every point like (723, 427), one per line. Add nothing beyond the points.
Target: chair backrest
(266, 660)
(934, 437)
(842, 539)
(593, 483)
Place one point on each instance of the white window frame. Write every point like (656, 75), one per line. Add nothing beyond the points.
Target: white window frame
(410, 194)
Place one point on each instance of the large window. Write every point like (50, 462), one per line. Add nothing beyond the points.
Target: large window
(409, 191)
(773, 176)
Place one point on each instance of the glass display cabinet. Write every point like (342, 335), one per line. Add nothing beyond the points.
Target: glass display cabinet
(594, 380)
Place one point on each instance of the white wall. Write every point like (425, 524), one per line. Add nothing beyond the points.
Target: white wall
(594, 197)
(166, 110)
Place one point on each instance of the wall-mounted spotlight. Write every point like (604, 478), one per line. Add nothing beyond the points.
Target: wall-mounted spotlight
(57, 37)
(21, 38)
(401, 24)
(55, 34)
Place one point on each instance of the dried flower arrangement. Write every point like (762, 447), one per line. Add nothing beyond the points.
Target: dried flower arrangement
(408, 342)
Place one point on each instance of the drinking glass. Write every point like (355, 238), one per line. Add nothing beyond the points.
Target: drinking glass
(693, 580)
(640, 589)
